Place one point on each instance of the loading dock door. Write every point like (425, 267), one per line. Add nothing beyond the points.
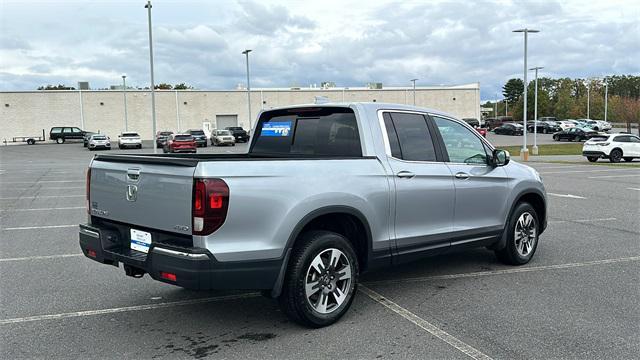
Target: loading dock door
(223, 121)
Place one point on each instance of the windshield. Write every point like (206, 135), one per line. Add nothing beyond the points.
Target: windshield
(224, 132)
(183, 138)
(234, 128)
(196, 132)
(130, 134)
(166, 133)
(101, 137)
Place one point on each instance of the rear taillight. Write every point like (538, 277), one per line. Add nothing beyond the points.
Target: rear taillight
(88, 191)
(210, 204)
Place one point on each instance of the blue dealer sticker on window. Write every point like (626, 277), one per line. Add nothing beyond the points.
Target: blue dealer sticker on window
(277, 128)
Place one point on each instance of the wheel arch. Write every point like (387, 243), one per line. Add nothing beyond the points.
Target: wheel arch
(345, 220)
(534, 197)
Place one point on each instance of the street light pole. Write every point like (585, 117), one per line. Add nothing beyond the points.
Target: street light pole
(495, 112)
(535, 113)
(606, 98)
(414, 90)
(153, 94)
(588, 97)
(246, 52)
(525, 151)
(124, 99)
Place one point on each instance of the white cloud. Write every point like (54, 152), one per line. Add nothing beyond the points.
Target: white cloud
(350, 42)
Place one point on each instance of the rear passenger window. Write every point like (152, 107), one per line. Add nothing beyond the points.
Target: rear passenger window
(67, 131)
(330, 131)
(621, 139)
(409, 137)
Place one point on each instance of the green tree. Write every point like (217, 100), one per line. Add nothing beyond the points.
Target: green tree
(182, 86)
(56, 87)
(163, 86)
(512, 90)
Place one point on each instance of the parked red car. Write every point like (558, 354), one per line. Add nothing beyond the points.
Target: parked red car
(481, 131)
(180, 143)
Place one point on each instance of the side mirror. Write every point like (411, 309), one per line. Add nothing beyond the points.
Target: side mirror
(501, 157)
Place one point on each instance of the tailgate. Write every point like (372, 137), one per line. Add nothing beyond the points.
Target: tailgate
(147, 195)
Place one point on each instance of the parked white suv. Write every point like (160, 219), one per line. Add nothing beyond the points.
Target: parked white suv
(598, 125)
(613, 147)
(129, 139)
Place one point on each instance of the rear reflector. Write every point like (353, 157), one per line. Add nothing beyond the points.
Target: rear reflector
(168, 276)
(91, 253)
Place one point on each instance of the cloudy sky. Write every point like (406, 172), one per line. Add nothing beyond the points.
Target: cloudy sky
(350, 42)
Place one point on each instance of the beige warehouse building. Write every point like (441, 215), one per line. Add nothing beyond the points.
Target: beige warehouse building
(27, 113)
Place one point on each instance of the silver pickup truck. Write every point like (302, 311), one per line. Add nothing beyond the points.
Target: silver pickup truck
(324, 193)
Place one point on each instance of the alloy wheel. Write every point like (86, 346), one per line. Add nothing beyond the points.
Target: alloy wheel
(328, 281)
(525, 234)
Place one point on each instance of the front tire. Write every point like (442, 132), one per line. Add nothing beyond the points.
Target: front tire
(592, 158)
(522, 236)
(321, 279)
(556, 138)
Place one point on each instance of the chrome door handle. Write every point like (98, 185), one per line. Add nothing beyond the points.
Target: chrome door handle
(462, 176)
(405, 174)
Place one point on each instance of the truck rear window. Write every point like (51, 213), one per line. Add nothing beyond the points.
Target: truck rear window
(321, 131)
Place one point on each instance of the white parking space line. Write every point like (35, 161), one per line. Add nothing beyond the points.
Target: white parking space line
(43, 181)
(586, 171)
(46, 257)
(636, 189)
(126, 309)
(614, 176)
(41, 197)
(566, 196)
(46, 188)
(425, 325)
(40, 227)
(44, 209)
(506, 271)
(581, 220)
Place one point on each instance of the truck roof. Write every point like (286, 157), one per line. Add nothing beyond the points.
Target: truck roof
(367, 106)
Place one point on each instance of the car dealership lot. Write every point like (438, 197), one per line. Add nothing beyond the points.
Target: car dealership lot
(576, 299)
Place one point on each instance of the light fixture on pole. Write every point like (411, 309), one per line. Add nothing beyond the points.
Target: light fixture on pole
(525, 151)
(535, 113)
(124, 100)
(246, 52)
(153, 94)
(414, 90)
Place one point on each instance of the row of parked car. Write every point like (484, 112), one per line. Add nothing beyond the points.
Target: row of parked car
(191, 139)
(571, 130)
(167, 140)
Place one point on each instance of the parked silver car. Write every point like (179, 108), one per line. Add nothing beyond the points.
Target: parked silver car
(325, 193)
(222, 137)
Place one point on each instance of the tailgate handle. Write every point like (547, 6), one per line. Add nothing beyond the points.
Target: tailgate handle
(133, 174)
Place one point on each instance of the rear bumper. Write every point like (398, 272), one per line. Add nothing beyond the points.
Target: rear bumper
(241, 138)
(130, 144)
(594, 153)
(194, 268)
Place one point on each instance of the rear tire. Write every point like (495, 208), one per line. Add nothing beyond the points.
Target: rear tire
(615, 156)
(522, 236)
(556, 138)
(321, 279)
(592, 158)
(60, 140)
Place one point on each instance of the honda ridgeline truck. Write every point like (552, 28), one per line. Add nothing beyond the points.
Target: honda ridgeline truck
(324, 193)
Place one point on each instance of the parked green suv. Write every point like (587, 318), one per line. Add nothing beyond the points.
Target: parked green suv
(60, 134)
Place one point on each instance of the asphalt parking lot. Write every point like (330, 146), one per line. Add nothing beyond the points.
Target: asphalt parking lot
(578, 297)
(508, 140)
